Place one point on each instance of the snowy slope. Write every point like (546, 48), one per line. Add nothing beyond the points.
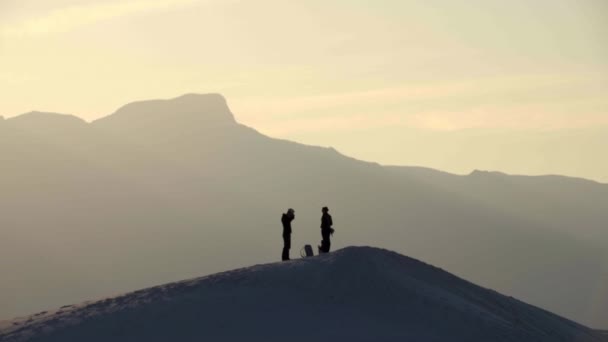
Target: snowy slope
(354, 294)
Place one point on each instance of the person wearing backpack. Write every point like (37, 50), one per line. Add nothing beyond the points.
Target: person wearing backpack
(326, 231)
(286, 220)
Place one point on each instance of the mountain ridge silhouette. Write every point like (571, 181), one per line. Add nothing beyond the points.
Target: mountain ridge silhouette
(186, 193)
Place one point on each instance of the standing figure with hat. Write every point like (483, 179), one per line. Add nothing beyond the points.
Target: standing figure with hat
(326, 231)
(286, 220)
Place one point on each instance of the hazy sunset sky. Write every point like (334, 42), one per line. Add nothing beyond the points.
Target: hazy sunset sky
(455, 85)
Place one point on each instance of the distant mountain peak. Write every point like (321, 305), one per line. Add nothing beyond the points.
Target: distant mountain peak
(38, 115)
(45, 121)
(200, 97)
(194, 109)
(486, 173)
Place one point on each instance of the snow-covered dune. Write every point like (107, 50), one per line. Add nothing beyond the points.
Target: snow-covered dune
(354, 294)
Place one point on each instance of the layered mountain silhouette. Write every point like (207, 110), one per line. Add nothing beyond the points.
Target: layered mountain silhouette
(169, 189)
(354, 294)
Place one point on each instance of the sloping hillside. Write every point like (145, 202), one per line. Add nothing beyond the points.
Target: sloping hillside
(354, 294)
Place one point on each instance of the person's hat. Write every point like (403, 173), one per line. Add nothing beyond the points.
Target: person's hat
(290, 210)
(325, 209)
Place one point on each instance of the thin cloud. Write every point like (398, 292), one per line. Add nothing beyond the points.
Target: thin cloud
(517, 117)
(529, 84)
(490, 106)
(74, 17)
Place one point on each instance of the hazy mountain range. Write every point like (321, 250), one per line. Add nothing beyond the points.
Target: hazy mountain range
(354, 294)
(171, 189)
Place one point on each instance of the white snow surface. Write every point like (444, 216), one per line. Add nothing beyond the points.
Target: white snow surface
(353, 294)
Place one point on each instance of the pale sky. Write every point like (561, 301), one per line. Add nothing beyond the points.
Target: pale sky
(518, 86)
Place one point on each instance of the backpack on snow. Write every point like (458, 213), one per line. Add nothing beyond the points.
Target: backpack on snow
(307, 251)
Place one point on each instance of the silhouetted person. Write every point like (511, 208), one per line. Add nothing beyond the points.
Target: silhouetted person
(286, 220)
(326, 231)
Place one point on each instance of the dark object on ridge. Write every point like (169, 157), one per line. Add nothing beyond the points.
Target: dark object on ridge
(307, 252)
(326, 231)
(286, 220)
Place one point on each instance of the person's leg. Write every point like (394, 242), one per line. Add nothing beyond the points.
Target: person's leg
(325, 244)
(284, 253)
(286, 247)
(322, 247)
